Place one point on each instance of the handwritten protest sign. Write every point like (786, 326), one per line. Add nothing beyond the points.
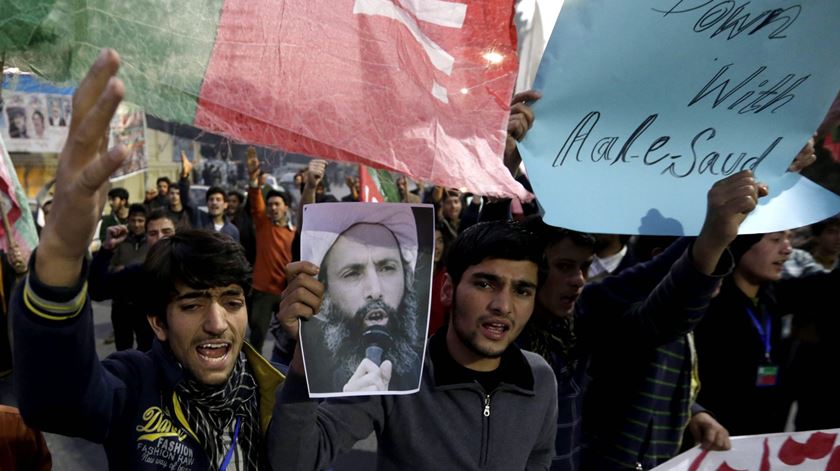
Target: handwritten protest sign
(808, 451)
(646, 104)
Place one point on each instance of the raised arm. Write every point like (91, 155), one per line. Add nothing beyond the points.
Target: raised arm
(312, 177)
(656, 301)
(255, 196)
(198, 219)
(61, 386)
(184, 180)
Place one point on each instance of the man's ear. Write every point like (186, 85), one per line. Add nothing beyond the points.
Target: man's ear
(447, 291)
(158, 326)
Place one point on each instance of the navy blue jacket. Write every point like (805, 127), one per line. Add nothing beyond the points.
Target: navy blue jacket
(126, 402)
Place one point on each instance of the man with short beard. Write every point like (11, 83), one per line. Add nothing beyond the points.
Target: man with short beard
(215, 218)
(118, 200)
(370, 286)
(483, 403)
(113, 276)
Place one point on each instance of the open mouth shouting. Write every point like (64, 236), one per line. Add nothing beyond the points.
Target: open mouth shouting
(375, 317)
(213, 352)
(495, 329)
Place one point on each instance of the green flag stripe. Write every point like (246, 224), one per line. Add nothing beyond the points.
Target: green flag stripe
(165, 48)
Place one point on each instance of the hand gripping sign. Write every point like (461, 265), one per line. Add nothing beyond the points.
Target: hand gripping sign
(807, 451)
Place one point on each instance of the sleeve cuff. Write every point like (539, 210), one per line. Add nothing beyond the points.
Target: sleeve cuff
(294, 389)
(697, 408)
(724, 267)
(54, 303)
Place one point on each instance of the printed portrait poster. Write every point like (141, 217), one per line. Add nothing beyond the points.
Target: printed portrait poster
(375, 262)
(34, 115)
(128, 127)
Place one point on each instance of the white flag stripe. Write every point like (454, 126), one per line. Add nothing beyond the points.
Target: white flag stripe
(439, 92)
(438, 12)
(441, 59)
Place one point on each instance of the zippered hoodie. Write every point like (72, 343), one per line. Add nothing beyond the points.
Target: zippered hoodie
(449, 424)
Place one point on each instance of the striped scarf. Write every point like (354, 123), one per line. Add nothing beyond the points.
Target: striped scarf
(212, 412)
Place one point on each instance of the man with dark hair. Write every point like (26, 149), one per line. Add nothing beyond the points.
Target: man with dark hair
(200, 398)
(274, 235)
(235, 202)
(159, 225)
(118, 199)
(161, 196)
(106, 283)
(620, 347)
(820, 254)
(214, 219)
(483, 403)
(182, 214)
(239, 214)
(163, 184)
(127, 317)
(134, 248)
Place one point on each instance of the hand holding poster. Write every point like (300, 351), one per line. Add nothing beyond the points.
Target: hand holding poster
(645, 104)
(375, 264)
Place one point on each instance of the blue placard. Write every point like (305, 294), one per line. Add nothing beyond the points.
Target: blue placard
(26, 83)
(647, 103)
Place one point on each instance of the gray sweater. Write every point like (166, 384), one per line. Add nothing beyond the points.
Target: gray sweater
(450, 423)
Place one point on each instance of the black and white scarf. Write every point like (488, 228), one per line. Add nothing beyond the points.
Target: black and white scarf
(554, 339)
(212, 412)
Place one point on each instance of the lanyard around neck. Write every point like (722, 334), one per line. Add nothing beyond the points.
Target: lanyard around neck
(764, 333)
(229, 454)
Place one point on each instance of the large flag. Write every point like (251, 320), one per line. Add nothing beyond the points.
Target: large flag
(419, 87)
(15, 208)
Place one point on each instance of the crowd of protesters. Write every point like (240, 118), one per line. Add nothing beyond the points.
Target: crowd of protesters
(593, 351)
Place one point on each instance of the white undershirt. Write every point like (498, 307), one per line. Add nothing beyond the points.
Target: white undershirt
(607, 264)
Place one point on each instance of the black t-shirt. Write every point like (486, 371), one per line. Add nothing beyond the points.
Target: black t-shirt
(512, 367)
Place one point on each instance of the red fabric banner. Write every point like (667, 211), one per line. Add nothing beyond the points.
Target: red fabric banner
(418, 87)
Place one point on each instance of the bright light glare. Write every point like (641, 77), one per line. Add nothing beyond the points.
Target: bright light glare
(493, 57)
